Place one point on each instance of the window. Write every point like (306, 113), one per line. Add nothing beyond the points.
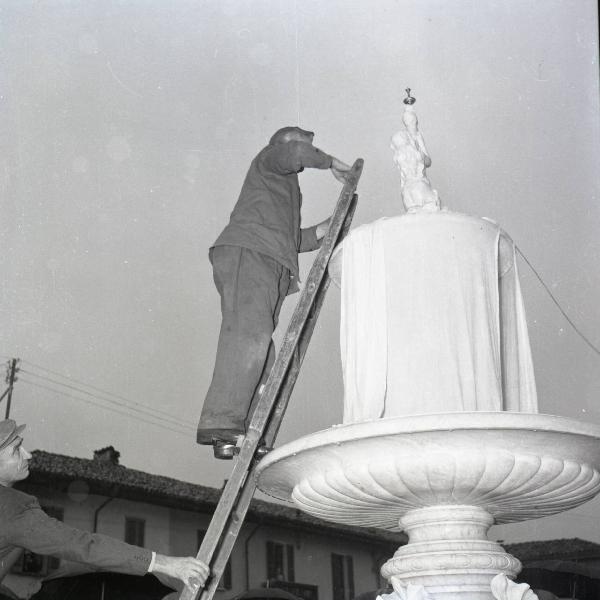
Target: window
(280, 561)
(226, 578)
(36, 564)
(342, 576)
(134, 531)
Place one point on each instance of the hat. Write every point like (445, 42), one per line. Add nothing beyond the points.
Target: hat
(283, 134)
(9, 431)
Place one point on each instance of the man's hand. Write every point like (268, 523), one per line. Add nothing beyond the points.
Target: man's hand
(339, 169)
(190, 571)
(321, 228)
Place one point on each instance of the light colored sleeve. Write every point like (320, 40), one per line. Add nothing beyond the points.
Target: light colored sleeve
(151, 565)
(35, 531)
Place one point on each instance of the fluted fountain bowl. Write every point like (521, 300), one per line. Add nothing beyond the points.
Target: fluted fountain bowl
(517, 466)
(443, 478)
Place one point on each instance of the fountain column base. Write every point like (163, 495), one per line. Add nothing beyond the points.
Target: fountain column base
(449, 554)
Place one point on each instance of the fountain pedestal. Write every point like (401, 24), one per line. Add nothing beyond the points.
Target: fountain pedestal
(449, 553)
(444, 479)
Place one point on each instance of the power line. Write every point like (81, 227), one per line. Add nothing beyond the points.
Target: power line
(556, 302)
(122, 399)
(97, 389)
(173, 420)
(65, 394)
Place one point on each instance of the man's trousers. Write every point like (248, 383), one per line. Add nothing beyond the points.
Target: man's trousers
(252, 287)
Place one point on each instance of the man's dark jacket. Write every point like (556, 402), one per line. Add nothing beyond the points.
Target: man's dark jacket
(266, 217)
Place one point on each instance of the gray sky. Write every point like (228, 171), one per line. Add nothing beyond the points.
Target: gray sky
(127, 129)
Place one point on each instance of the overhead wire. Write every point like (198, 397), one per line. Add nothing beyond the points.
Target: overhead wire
(121, 399)
(110, 408)
(172, 420)
(557, 304)
(97, 389)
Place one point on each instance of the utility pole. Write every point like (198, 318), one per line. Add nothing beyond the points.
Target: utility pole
(11, 372)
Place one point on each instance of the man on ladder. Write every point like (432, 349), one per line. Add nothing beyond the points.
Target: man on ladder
(255, 265)
(267, 413)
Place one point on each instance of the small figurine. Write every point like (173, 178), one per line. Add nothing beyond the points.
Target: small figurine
(412, 158)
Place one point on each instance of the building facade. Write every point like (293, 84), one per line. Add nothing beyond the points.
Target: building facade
(278, 545)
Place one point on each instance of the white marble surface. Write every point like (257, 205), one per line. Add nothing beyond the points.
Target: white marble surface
(517, 465)
(444, 479)
(412, 159)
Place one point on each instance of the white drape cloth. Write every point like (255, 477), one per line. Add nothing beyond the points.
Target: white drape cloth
(432, 319)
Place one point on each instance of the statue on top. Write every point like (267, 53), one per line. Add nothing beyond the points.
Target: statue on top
(412, 158)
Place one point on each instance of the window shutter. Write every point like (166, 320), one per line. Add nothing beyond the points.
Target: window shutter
(337, 576)
(271, 566)
(134, 531)
(291, 575)
(350, 576)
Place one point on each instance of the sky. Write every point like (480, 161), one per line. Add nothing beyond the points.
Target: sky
(127, 130)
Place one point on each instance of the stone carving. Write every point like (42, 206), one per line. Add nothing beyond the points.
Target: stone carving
(444, 479)
(505, 589)
(412, 159)
(406, 592)
(370, 474)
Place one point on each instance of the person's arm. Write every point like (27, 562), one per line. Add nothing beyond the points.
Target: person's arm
(309, 240)
(311, 237)
(423, 149)
(34, 530)
(189, 571)
(293, 157)
(339, 169)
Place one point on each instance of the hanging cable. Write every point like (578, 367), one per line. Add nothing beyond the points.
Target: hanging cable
(121, 399)
(96, 404)
(560, 308)
(121, 405)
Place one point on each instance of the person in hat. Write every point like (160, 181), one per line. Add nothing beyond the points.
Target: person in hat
(255, 265)
(24, 525)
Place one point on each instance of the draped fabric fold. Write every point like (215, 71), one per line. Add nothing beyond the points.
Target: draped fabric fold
(432, 319)
(364, 340)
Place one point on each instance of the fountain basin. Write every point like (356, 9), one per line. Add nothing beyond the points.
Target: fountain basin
(444, 479)
(517, 466)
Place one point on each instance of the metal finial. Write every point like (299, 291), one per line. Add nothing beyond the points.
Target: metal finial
(409, 99)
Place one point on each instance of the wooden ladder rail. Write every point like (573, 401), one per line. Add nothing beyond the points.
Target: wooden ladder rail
(270, 408)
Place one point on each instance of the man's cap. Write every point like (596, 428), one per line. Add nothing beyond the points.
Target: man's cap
(282, 134)
(9, 431)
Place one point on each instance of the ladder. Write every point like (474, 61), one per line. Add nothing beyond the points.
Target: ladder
(270, 408)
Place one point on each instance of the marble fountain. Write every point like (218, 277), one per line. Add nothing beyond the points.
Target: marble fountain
(441, 435)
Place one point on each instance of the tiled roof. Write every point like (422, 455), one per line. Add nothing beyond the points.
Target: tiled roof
(57, 471)
(565, 549)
